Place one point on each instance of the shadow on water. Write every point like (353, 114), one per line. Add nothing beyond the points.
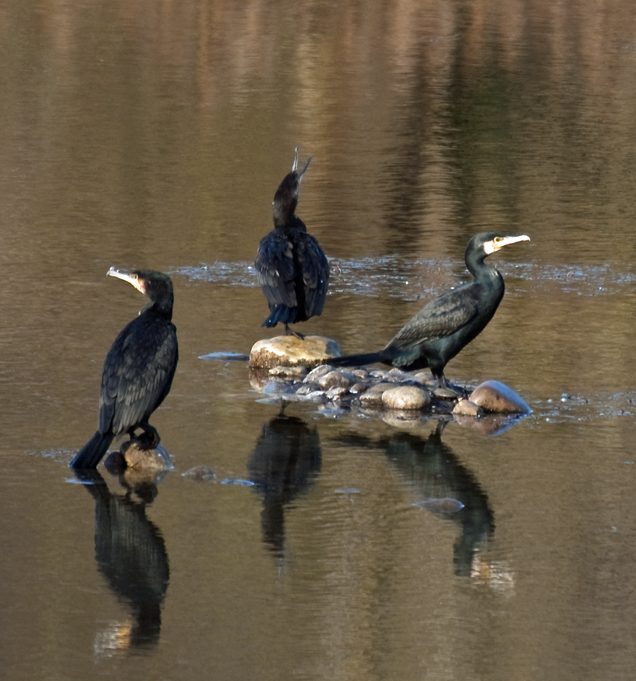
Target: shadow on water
(285, 462)
(131, 554)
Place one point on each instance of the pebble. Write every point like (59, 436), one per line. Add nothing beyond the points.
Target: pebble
(494, 396)
(334, 379)
(467, 408)
(406, 397)
(315, 374)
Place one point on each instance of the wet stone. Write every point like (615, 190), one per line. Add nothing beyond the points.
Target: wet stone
(362, 374)
(297, 372)
(358, 388)
(406, 397)
(292, 351)
(147, 459)
(316, 373)
(336, 393)
(467, 408)
(494, 396)
(307, 388)
(334, 379)
(200, 473)
(445, 394)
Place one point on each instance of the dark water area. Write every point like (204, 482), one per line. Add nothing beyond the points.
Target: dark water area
(329, 543)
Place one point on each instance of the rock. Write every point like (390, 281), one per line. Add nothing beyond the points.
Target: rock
(307, 388)
(358, 388)
(336, 393)
(362, 374)
(292, 351)
(147, 459)
(406, 397)
(425, 378)
(334, 379)
(372, 398)
(291, 373)
(446, 393)
(318, 372)
(494, 396)
(467, 408)
(200, 473)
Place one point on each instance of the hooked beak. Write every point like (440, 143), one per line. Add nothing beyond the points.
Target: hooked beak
(130, 277)
(295, 165)
(499, 242)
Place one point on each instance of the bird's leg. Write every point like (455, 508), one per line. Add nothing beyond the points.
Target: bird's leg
(443, 384)
(291, 332)
(149, 439)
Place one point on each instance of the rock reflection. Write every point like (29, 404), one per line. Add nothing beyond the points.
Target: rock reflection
(447, 488)
(285, 462)
(131, 554)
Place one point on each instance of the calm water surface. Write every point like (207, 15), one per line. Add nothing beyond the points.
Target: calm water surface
(141, 134)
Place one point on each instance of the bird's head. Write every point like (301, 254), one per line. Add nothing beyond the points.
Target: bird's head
(286, 197)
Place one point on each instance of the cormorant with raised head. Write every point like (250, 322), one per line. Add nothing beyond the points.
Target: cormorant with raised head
(448, 323)
(138, 369)
(290, 265)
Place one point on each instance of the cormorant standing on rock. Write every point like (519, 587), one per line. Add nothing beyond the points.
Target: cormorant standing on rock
(138, 369)
(290, 265)
(447, 324)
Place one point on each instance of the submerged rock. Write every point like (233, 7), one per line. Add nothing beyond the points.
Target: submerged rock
(406, 397)
(200, 473)
(292, 351)
(494, 396)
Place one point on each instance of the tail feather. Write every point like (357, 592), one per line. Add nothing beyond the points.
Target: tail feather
(93, 451)
(357, 360)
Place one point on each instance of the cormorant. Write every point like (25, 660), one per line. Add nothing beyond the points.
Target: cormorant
(448, 323)
(138, 369)
(291, 267)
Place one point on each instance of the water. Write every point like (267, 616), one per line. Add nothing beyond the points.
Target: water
(348, 546)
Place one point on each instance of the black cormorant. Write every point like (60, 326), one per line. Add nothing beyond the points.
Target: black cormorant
(443, 327)
(290, 265)
(138, 370)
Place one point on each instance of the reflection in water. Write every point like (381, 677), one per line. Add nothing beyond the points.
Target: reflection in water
(283, 465)
(131, 554)
(443, 481)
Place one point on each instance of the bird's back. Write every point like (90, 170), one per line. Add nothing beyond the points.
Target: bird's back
(138, 372)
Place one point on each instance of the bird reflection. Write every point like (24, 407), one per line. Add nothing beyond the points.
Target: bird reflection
(283, 465)
(131, 554)
(447, 487)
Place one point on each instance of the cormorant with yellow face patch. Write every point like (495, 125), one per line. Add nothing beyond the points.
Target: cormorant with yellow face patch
(138, 369)
(447, 324)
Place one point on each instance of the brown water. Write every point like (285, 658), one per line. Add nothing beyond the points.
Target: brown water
(144, 134)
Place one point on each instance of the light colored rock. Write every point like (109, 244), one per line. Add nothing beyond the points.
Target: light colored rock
(494, 396)
(296, 373)
(336, 393)
(406, 397)
(358, 388)
(292, 351)
(334, 379)
(318, 372)
(467, 408)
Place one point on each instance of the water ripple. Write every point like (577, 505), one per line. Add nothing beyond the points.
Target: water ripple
(393, 276)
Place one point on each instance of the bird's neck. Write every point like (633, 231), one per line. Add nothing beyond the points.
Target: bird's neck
(162, 308)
